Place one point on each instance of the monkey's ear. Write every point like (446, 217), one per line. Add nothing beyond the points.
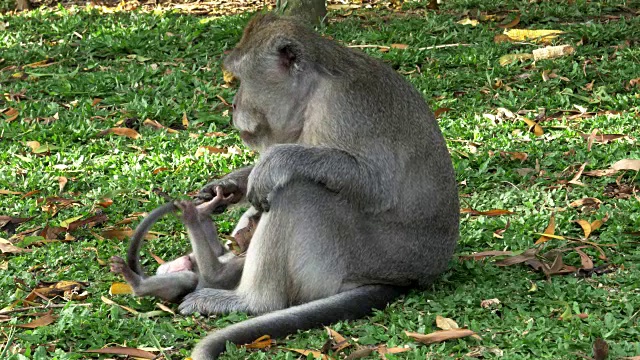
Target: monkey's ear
(289, 54)
(232, 61)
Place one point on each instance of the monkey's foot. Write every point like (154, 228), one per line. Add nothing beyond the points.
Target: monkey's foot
(212, 301)
(119, 266)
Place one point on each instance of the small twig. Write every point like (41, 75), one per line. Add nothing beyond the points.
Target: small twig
(442, 46)
(27, 308)
(419, 49)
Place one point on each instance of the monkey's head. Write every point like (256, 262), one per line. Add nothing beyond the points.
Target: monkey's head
(272, 63)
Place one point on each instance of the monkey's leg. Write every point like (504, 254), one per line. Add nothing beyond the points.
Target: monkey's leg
(212, 273)
(292, 257)
(171, 287)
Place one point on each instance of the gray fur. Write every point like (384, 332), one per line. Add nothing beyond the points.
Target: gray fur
(355, 182)
(221, 273)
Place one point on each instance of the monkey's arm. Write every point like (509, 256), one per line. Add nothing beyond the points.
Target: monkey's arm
(367, 181)
(234, 183)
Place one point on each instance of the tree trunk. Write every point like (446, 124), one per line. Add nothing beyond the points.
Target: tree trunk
(310, 11)
(23, 5)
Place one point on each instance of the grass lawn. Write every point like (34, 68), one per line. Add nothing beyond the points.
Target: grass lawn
(67, 75)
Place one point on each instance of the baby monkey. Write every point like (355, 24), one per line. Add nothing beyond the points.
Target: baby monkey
(206, 267)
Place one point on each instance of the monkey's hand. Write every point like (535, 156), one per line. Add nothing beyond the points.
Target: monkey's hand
(233, 185)
(266, 177)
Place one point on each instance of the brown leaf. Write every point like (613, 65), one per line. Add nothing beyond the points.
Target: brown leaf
(105, 203)
(575, 180)
(119, 234)
(95, 101)
(588, 202)
(439, 336)
(383, 349)
(9, 192)
(160, 169)
(157, 125)
(550, 230)
(120, 131)
(62, 181)
(441, 111)
(44, 320)
(627, 164)
(517, 259)
(120, 350)
(602, 138)
(586, 261)
(8, 248)
(484, 254)
(208, 150)
(433, 5)
(314, 353)
(11, 114)
(340, 342)
(494, 212)
(70, 290)
(360, 353)
(511, 23)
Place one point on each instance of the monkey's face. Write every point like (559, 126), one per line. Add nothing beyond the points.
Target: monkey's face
(270, 103)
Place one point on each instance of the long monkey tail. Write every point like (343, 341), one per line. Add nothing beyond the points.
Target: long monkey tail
(135, 244)
(348, 305)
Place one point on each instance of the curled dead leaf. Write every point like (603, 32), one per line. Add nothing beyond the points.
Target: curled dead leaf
(446, 323)
(262, 342)
(120, 131)
(43, 320)
(439, 336)
(121, 350)
(550, 230)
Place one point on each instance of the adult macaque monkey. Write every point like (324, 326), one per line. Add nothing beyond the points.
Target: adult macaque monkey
(355, 182)
(179, 277)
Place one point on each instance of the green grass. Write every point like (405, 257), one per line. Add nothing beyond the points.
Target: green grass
(160, 66)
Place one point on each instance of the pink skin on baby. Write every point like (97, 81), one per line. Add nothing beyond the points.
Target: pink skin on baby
(182, 263)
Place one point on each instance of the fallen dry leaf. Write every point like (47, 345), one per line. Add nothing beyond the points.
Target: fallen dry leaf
(485, 304)
(157, 125)
(202, 150)
(446, 323)
(586, 261)
(441, 111)
(9, 192)
(8, 248)
(527, 255)
(399, 46)
(262, 342)
(120, 131)
(534, 127)
(587, 202)
(484, 254)
(69, 290)
(111, 302)
(586, 227)
(467, 21)
(44, 320)
(550, 230)
(627, 164)
(439, 336)
(513, 58)
(511, 23)
(118, 288)
(383, 349)
(340, 343)
(120, 350)
(314, 353)
(494, 212)
(541, 36)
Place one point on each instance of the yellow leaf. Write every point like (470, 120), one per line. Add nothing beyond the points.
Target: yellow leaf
(538, 36)
(586, 227)
(262, 342)
(534, 127)
(399, 46)
(513, 58)
(65, 223)
(119, 288)
(185, 120)
(549, 231)
(467, 21)
(446, 323)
